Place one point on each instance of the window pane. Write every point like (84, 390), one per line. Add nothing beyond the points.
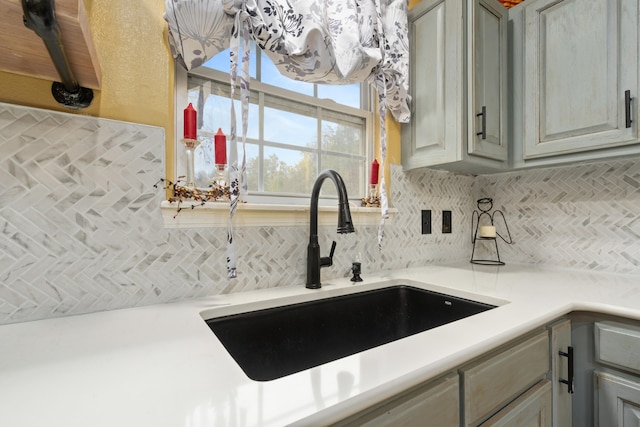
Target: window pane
(217, 114)
(253, 165)
(220, 62)
(342, 94)
(290, 128)
(204, 162)
(342, 138)
(271, 75)
(351, 171)
(289, 171)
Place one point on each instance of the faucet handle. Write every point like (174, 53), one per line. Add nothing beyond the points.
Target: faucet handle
(327, 261)
(333, 249)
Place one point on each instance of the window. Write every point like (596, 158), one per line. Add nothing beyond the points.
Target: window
(296, 129)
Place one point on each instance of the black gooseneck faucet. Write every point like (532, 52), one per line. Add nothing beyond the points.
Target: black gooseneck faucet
(345, 225)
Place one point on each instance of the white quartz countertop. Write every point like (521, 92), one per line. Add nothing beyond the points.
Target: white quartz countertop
(162, 366)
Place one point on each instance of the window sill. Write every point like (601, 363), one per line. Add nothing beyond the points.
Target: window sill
(216, 214)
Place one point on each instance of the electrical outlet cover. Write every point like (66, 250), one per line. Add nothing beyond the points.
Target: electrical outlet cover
(446, 222)
(426, 221)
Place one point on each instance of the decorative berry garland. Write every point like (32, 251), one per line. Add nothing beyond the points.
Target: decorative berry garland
(181, 194)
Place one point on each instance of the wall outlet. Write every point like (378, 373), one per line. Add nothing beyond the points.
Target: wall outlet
(446, 222)
(426, 221)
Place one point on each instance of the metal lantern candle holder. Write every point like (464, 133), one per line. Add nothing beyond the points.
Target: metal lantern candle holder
(484, 226)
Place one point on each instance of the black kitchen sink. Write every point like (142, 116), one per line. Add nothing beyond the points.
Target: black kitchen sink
(275, 342)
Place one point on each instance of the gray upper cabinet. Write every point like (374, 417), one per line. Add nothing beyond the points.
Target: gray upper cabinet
(487, 76)
(575, 75)
(458, 85)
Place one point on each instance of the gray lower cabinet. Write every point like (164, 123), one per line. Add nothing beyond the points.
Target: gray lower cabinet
(575, 77)
(458, 86)
(513, 385)
(523, 383)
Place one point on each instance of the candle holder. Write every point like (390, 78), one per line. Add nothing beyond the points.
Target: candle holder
(190, 146)
(483, 228)
(372, 200)
(373, 190)
(220, 182)
(220, 175)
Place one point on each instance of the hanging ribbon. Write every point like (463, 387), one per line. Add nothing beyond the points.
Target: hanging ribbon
(381, 88)
(237, 181)
(384, 203)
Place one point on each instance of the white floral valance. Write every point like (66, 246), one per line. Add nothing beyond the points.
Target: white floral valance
(330, 41)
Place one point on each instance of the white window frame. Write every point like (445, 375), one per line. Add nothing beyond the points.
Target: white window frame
(181, 99)
(272, 210)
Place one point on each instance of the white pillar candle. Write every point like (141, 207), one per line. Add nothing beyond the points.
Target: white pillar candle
(487, 231)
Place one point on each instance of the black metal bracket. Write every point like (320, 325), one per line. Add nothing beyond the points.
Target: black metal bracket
(483, 132)
(40, 16)
(627, 108)
(569, 356)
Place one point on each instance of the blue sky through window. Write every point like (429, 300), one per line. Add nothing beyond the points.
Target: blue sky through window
(342, 94)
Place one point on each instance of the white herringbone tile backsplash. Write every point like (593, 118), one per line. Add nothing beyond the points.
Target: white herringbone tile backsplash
(583, 216)
(82, 229)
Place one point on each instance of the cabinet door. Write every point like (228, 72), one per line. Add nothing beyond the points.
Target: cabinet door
(435, 34)
(532, 409)
(488, 77)
(580, 58)
(618, 401)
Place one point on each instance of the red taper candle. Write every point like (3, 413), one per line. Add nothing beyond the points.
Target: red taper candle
(190, 118)
(375, 168)
(220, 146)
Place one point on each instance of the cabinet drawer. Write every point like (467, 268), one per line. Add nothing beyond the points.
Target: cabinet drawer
(618, 344)
(434, 404)
(494, 382)
(533, 409)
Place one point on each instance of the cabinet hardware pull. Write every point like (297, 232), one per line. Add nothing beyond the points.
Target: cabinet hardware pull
(483, 132)
(627, 108)
(569, 356)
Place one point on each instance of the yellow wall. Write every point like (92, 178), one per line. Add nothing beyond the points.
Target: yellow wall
(137, 69)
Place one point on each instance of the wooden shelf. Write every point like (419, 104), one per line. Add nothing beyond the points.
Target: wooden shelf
(216, 214)
(23, 52)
